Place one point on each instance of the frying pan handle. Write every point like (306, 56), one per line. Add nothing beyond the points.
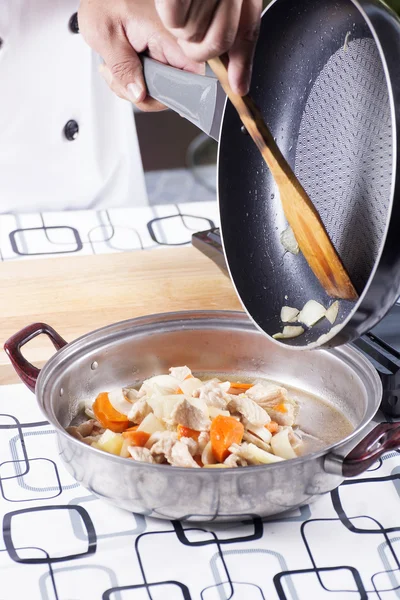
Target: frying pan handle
(27, 372)
(198, 98)
(383, 438)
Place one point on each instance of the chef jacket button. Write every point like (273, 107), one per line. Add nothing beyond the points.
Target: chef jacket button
(71, 130)
(1, 42)
(73, 23)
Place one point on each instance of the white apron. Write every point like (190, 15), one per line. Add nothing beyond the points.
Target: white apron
(66, 141)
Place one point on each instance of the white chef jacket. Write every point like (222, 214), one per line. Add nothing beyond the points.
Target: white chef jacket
(66, 141)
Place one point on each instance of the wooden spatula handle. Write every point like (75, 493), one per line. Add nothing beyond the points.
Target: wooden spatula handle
(255, 125)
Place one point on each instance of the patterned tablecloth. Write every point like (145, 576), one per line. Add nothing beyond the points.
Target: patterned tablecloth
(60, 542)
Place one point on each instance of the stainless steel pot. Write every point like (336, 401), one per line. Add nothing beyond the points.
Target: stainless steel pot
(219, 342)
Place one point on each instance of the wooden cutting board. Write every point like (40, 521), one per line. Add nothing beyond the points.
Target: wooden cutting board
(78, 294)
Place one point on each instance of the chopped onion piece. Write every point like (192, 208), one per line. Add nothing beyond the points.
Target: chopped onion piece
(290, 331)
(254, 455)
(332, 312)
(207, 456)
(281, 445)
(289, 241)
(163, 405)
(261, 432)
(289, 314)
(190, 385)
(213, 412)
(163, 384)
(311, 313)
(151, 424)
(119, 402)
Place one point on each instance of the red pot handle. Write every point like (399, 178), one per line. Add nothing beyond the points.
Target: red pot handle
(383, 438)
(27, 372)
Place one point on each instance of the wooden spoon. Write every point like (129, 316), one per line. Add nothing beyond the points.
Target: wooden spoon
(300, 212)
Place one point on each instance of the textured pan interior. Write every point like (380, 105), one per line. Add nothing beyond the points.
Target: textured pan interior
(320, 83)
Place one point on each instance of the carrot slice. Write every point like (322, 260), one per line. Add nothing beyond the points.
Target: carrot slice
(242, 386)
(136, 438)
(190, 376)
(280, 407)
(132, 428)
(183, 431)
(198, 460)
(272, 426)
(224, 432)
(107, 416)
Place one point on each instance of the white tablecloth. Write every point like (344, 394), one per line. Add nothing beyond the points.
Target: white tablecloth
(61, 543)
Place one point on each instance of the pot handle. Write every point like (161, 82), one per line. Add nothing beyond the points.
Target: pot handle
(198, 98)
(27, 372)
(383, 438)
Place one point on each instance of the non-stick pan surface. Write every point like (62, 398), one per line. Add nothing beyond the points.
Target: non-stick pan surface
(330, 93)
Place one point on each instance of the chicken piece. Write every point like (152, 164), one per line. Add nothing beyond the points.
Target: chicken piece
(180, 373)
(214, 393)
(141, 454)
(87, 432)
(234, 460)
(161, 443)
(181, 457)
(251, 412)
(267, 394)
(203, 440)
(276, 401)
(190, 416)
(191, 444)
(284, 414)
(140, 409)
(253, 439)
(132, 394)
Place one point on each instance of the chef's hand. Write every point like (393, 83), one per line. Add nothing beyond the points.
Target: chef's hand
(120, 29)
(209, 28)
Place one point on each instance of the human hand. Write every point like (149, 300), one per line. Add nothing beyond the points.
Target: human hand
(208, 28)
(120, 30)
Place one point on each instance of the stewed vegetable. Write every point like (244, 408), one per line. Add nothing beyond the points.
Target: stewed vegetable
(181, 420)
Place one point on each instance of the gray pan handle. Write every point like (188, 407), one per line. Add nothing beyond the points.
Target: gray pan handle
(198, 98)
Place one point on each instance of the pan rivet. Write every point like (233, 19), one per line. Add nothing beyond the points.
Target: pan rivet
(61, 391)
(244, 130)
(94, 365)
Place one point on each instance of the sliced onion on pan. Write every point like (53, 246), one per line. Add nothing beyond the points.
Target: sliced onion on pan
(332, 312)
(289, 241)
(311, 313)
(289, 314)
(290, 331)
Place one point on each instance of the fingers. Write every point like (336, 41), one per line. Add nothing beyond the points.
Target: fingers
(221, 33)
(173, 13)
(125, 66)
(242, 52)
(146, 105)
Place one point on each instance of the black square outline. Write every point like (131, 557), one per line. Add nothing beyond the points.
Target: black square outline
(93, 498)
(347, 521)
(25, 459)
(29, 488)
(92, 538)
(232, 585)
(168, 531)
(180, 215)
(14, 245)
(146, 586)
(357, 578)
(181, 535)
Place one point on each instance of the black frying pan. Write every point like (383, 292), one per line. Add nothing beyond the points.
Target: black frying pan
(327, 80)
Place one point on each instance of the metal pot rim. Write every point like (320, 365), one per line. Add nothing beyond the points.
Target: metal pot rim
(346, 354)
